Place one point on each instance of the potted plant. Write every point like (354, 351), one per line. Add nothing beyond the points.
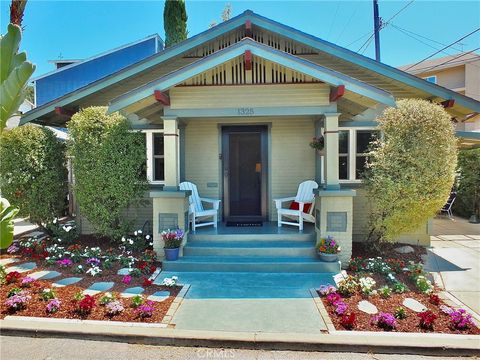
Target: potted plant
(328, 249)
(173, 239)
(318, 143)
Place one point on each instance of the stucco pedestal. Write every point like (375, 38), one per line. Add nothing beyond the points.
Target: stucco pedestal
(334, 217)
(170, 210)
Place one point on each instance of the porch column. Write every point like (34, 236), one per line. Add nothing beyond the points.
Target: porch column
(171, 148)
(331, 151)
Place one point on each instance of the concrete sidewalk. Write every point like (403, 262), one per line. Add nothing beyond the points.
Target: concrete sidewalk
(454, 259)
(22, 225)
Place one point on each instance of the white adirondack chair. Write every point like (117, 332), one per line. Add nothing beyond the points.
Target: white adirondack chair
(304, 197)
(196, 211)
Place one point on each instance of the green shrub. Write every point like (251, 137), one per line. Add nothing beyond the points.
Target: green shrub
(411, 169)
(33, 175)
(108, 162)
(468, 193)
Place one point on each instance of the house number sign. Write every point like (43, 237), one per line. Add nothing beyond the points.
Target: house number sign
(246, 111)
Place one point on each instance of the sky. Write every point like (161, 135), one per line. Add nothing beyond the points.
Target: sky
(81, 29)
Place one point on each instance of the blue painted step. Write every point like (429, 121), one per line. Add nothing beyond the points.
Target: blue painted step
(251, 264)
(250, 248)
(252, 236)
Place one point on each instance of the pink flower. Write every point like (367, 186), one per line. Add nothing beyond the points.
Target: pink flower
(127, 279)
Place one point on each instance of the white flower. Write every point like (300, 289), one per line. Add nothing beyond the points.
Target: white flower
(147, 237)
(130, 242)
(151, 243)
(67, 228)
(54, 221)
(80, 266)
(135, 233)
(139, 231)
(123, 239)
(174, 277)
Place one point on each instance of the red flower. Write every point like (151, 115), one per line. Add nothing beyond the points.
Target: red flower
(147, 282)
(142, 265)
(13, 277)
(427, 319)
(86, 305)
(434, 299)
(152, 269)
(348, 320)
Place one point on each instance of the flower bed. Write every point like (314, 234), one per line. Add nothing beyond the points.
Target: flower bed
(68, 304)
(386, 284)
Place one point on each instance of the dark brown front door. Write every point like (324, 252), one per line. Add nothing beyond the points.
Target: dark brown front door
(244, 172)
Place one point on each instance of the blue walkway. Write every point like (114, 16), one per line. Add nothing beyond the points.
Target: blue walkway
(260, 302)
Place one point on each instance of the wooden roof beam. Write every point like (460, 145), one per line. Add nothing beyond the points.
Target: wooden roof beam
(248, 28)
(161, 97)
(248, 60)
(448, 103)
(337, 92)
(64, 111)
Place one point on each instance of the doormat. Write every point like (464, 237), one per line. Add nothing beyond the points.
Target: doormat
(244, 223)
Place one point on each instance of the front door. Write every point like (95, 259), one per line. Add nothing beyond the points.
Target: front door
(244, 155)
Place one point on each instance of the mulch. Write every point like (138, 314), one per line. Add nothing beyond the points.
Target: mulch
(410, 324)
(386, 250)
(37, 307)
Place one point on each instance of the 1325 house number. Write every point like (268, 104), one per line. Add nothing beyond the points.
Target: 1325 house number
(245, 111)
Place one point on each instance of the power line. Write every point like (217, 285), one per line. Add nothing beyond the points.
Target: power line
(398, 12)
(444, 48)
(360, 38)
(452, 59)
(368, 41)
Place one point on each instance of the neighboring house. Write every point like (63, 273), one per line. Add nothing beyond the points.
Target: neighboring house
(15, 119)
(233, 109)
(458, 72)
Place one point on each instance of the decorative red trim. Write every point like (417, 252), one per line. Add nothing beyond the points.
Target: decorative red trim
(337, 92)
(448, 103)
(248, 28)
(248, 60)
(64, 112)
(161, 97)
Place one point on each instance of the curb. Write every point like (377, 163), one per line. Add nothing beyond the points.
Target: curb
(340, 341)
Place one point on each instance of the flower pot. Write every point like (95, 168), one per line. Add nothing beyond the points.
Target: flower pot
(327, 257)
(171, 254)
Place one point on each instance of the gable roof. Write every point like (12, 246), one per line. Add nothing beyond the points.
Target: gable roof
(441, 63)
(321, 73)
(338, 58)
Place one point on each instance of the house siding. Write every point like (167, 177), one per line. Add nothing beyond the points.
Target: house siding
(291, 160)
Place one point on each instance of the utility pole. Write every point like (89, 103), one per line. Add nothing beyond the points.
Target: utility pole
(376, 29)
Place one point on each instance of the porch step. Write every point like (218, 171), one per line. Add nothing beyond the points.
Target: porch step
(251, 264)
(250, 248)
(243, 235)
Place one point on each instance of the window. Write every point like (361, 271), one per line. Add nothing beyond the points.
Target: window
(343, 140)
(364, 138)
(432, 79)
(158, 158)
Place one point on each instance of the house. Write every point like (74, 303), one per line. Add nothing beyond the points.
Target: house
(458, 72)
(233, 109)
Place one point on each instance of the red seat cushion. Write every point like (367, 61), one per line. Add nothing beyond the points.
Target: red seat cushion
(295, 206)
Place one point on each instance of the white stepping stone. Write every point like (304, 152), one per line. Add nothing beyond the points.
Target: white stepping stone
(367, 307)
(8, 261)
(131, 292)
(66, 281)
(98, 287)
(21, 268)
(159, 296)
(45, 275)
(123, 271)
(404, 249)
(414, 305)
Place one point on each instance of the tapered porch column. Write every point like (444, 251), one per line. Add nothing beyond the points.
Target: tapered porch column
(171, 149)
(331, 151)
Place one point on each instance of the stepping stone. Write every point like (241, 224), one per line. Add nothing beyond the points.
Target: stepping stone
(123, 271)
(131, 292)
(159, 296)
(404, 249)
(66, 281)
(45, 275)
(8, 261)
(21, 268)
(367, 307)
(414, 305)
(98, 287)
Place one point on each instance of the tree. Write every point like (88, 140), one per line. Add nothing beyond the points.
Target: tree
(15, 71)
(33, 173)
(108, 162)
(411, 170)
(226, 15)
(175, 22)
(468, 194)
(17, 8)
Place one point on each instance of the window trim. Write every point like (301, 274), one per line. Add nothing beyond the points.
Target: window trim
(431, 76)
(149, 134)
(352, 154)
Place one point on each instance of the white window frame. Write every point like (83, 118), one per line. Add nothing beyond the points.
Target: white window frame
(352, 154)
(149, 133)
